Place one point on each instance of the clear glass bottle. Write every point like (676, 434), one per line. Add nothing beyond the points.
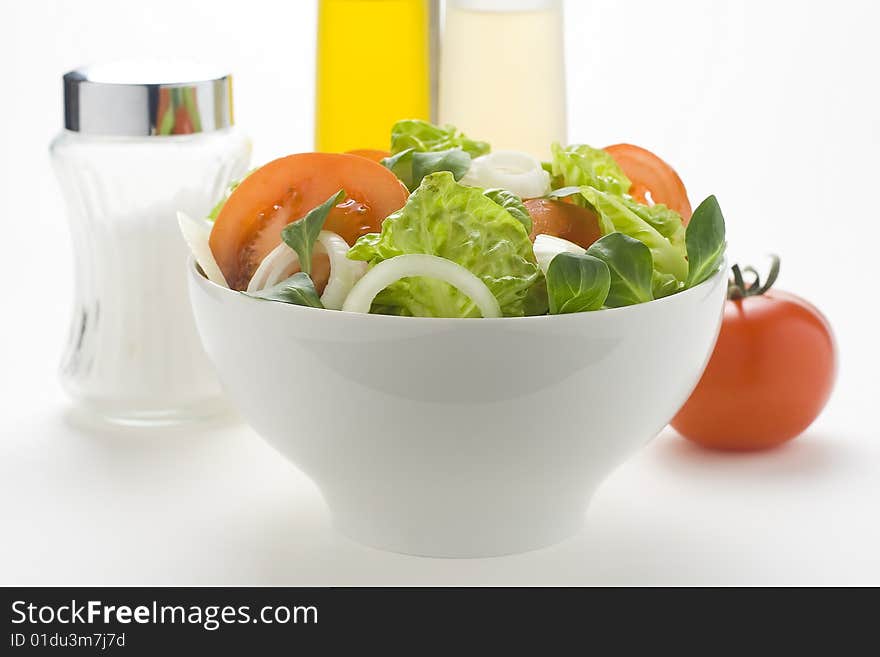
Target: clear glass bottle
(502, 73)
(142, 140)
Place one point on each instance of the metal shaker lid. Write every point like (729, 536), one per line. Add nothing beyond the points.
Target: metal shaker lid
(138, 98)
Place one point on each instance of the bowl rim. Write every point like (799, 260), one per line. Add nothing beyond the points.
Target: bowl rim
(196, 274)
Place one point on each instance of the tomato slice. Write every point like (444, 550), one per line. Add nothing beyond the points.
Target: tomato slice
(566, 220)
(370, 154)
(250, 223)
(653, 181)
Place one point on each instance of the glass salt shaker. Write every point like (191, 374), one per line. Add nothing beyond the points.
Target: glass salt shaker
(141, 141)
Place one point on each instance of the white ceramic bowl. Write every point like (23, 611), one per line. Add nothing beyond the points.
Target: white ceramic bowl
(458, 437)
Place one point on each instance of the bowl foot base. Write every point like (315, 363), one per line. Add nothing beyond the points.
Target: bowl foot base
(460, 537)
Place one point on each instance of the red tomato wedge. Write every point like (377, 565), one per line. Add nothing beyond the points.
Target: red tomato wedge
(561, 219)
(370, 154)
(250, 223)
(653, 181)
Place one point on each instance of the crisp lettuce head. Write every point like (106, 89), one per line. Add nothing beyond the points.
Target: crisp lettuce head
(581, 165)
(459, 223)
(424, 137)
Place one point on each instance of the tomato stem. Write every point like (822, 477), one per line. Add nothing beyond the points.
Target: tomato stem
(737, 288)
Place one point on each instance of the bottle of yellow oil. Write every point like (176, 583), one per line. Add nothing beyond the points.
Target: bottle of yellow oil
(374, 67)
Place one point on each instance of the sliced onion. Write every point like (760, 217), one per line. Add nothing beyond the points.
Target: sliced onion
(197, 233)
(344, 273)
(514, 171)
(404, 266)
(548, 247)
(271, 271)
(282, 262)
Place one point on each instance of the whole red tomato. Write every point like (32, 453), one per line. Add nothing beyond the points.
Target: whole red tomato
(770, 375)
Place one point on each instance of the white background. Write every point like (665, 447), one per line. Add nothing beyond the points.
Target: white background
(773, 106)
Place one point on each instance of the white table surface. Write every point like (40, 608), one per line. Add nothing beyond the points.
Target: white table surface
(82, 504)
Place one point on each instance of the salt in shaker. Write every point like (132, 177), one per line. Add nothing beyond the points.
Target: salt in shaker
(141, 141)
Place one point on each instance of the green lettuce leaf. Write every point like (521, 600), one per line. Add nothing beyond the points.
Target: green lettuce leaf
(366, 248)
(577, 283)
(581, 165)
(512, 203)
(629, 267)
(400, 164)
(669, 224)
(454, 160)
(411, 166)
(302, 234)
(664, 220)
(424, 137)
(298, 290)
(459, 223)
(657, 227)
(705, 240)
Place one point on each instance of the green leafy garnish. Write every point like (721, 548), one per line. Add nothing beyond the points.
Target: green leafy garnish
(630, 266)
(456, 222)
(513, 204)
(537, 301)
(657, 227)
(705, 239)
(426, 137)
(366, 248)
(577, 283)
(454, 160)
(668, 274)
(580, 165)
(302, 233)
(400, 164)
(411, 166)
(419, 148)
(664, 220)
(298, 290)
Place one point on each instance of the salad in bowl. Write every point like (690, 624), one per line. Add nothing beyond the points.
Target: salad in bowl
(441, 226)
(458, 345)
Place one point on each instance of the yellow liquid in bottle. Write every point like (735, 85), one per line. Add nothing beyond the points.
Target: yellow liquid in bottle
(373, 70)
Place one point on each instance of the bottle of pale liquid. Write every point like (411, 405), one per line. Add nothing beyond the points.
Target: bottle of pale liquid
(373, 69)
(502, 73)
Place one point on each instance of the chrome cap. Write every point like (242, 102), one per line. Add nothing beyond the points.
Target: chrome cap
(139, 98)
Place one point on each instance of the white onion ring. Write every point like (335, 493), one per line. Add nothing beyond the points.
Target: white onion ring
(282, 262)
(514, 171)
(344, 272)
(548, 247)
(404, 266)
(281, 258)
(197, 234)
